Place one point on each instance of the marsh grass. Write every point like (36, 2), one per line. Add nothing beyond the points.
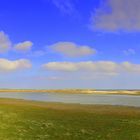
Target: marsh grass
(26, 120)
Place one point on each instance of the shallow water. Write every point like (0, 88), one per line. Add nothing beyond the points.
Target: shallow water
(127, 100)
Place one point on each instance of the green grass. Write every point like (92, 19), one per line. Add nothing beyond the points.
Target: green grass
(25, 120)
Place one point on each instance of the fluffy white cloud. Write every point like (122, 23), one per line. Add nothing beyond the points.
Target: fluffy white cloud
(114, 15)
(72, 50)
(8, 66)
(5, 43)
(60, 66)
(104, 67)
(24, 46)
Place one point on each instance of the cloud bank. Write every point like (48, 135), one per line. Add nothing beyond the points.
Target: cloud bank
(117, 15)
(101, 67)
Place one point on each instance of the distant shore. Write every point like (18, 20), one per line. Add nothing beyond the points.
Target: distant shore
(75, 91)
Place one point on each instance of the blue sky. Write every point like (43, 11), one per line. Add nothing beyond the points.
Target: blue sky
(46, 44)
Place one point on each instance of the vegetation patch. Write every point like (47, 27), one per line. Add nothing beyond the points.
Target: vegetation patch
(26, 120)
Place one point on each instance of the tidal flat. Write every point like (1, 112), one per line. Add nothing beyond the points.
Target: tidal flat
(31, 120)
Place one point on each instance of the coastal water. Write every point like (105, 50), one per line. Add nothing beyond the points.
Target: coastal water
(126, 100)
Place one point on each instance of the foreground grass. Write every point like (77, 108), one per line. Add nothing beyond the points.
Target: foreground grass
(25, 120)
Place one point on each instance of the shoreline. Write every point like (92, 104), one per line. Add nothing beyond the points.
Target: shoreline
(48, 103)
(60, 105)
(75, 91)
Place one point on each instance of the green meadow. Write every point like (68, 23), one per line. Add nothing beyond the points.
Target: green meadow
(28, 120)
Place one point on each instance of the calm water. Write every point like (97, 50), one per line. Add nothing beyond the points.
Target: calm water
(77, 98)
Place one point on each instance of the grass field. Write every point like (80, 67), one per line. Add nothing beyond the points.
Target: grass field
(26, 120)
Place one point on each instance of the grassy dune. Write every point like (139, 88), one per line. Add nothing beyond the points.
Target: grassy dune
(66, 91)
(26, 120)
(76, 91)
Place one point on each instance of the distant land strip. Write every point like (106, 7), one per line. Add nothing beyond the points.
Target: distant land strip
(75, 91)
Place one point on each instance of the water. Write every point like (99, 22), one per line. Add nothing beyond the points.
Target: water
(126, 100)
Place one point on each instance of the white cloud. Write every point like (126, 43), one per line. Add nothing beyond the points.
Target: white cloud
(133, 68)
(8, 66)
(5, 43)
(23, 46)
(72, 50)
(99, 67)
(117, 15)
(60, 66)
(129, 52)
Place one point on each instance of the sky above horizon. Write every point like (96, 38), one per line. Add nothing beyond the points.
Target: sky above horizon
(54, 44)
